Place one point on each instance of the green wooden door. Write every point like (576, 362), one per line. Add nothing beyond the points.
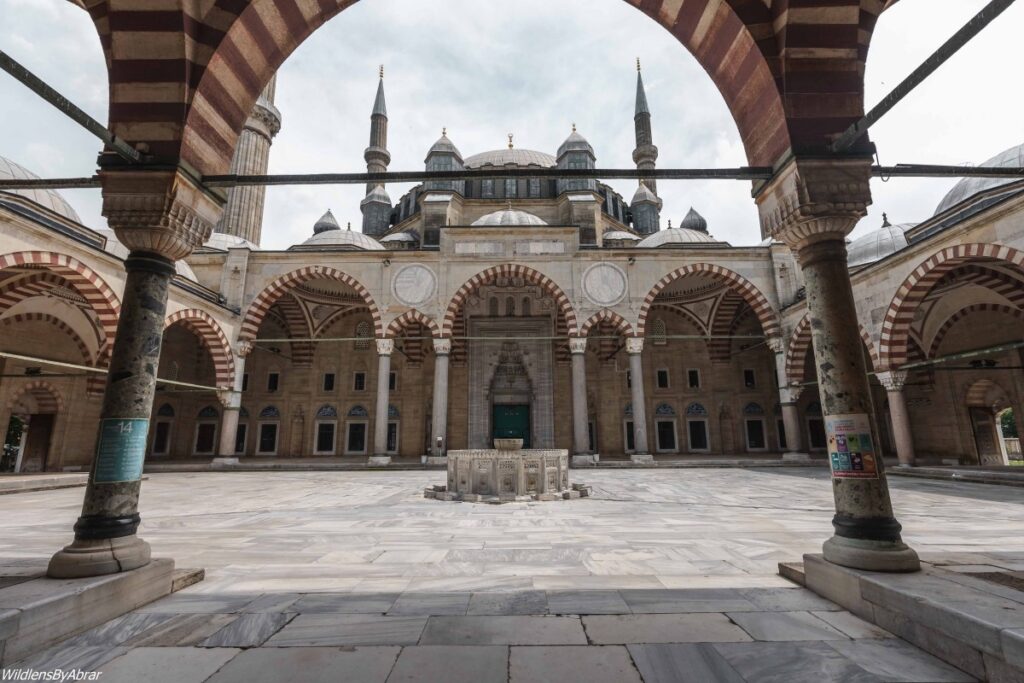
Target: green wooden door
(511, 422)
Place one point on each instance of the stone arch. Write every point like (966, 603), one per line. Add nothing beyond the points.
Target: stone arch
(963, 313)
(766, 314)
(510, 270)
(985, 393)
(47, 399)
(213, 338)
(83, 348)
(276, 289)
(93, 288)
(800, 345)
(893, 343)
(620, 324)
(412, 317)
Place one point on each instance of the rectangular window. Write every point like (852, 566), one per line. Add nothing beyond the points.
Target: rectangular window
(630, 441)
(816, 432)
(663, 379)
(325, 437)
(268, 439)
(206, 433)
(162, 438)
(328, 381)
(392, 382)
(240, 435)
(245, 381)
(534, 187)
(693, 378)
(510, 187)
(392, 445)
(782, 435)
(749, 379)
(355, 442)
(697, 431)
(755, 435)
(273, 379)
(487, 187)
(666, 430)
(359, 382)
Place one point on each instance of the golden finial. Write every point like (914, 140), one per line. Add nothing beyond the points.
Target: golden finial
(638, 65)
(444, 131)
(382, 71)
(573, 126)
(510, 140)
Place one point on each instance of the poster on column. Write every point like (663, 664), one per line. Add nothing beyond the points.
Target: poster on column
(121, 451)
(850, 446)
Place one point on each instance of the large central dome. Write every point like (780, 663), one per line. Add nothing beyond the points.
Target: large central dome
(515, 156)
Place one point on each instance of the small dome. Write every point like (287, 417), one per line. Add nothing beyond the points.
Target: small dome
(644, 194)
(509, 217)
(575, 143)
(673, 237)
(514, 157)
(968, 187)
(444, 146)
(620, 236)
(400, 238)
(48, 199)
(343, 239)
(223, 241)
(877, 244)
(694, 221)
(326, 222)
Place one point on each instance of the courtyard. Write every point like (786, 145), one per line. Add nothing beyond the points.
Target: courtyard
(661, 575)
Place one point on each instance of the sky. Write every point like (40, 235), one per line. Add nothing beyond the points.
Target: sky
(531, 68)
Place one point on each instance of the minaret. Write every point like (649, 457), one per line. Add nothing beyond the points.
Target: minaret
(243, 212)
(376, 207)
(646, 154)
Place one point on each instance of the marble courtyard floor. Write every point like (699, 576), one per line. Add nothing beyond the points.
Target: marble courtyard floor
(662, 575)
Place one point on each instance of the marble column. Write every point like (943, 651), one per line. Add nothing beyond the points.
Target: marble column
(232, 403)
(789, 394)
(160, 215)
(635, 347)
(894, 382)
(439, 428)
(580, 422)
(380, 425)
(812, 205)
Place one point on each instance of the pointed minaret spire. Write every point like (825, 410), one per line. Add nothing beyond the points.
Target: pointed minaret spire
(376, 206)
(641, 93)
(645, 155)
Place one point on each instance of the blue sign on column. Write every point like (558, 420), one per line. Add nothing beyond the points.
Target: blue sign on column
(122, 450)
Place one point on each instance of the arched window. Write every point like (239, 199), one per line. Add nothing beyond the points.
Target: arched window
(270, 413)
(325, 430)
(206, 431)
(327, 411)
(358, 411)
(664, 409)
(510, 306)
(209, 412)
(162, 430)
(526, 306)
(166, 410)
(363, 335)
(697, 410)
(266, 443)
(492, 307)
(658, 334)
(753, 409)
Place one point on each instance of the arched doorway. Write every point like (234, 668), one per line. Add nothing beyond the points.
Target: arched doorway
(985, 400)
(29, 434)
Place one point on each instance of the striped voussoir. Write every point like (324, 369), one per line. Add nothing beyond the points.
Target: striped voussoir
(46, 397)
(620, 324)
(327, 323)
(83, 348)
(1005, 285)
(279, 287)
(299, 328)
(511, 270)
(963, 313)
(800, 345)
(95, 382)
(20, 288)
(413, 317)
(893, 345)
(729, 308)
(766, 315)
(213, 338)
(80, 277)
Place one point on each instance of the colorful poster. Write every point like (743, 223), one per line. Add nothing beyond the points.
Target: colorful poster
(121, 452)
(850, 446)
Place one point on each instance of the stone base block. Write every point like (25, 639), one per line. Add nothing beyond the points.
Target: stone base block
(440, 493)
(584, 460)
(642, 458)
(436, 461)
(378, 460)
(796, 457)
(875, 556)
(100, 557)
(223, 462)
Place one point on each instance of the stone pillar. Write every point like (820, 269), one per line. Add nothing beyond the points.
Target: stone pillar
(232, 403)
(439, 431)
(635, 347)
(812, 205)
(380, 425)
(159, 216)
(894, 381)
(580, 430)
(789, 394)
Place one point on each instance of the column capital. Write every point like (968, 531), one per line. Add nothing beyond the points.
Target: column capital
(230, 400)
(893, 380)
(163, 212)
(790, 394)
(634, 345)
(811, 200)
(442, 345)
(244, 348)
(385, 347)
(577, 345)
(776, 344)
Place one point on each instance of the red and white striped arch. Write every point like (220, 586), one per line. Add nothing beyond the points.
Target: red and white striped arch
(766, 314)
(210, 333)
(609, 316)
(800, 345)
(276, 289)
(488, 276)
(940, 335)
(46, 397)
(83, 348)
(413, 317)
(893, 344)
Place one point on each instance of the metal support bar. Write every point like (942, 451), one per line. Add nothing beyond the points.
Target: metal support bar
(100, 371)
(39, 87)
(700, 337)
(927, 68)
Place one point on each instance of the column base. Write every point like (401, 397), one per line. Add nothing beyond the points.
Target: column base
(223, 462)
(99, 557)
(796, 457)
(873, 556)
(584, 460)
(642, 458)
(441, 460)
(376, 460)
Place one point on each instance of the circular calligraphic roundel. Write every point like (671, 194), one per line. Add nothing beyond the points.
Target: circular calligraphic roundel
(604, 284)
(414, 285)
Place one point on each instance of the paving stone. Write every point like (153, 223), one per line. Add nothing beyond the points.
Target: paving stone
(248, 630)
(273, 602)
(777, 626)
(511, 630)
(519, 602)
(166, 665)
(787, 600)
(609, 664)
(181, 630)
(852, 625)
(682, 663)
(677, 601)
(586, 602)
(117, 631)
(346, 603)
(309, 630)
(188, 602)
(792, 663)
(662, 628)
(432, 663)
(84, 657)
(895, 660)
(1013, 646)
(430, 604)
(309, 665)
(952, 651)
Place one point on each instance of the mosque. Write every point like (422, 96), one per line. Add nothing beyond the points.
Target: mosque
(557, 311)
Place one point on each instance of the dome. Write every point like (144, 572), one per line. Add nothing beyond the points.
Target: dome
(968, 187)
(343, 239)
(48, 199)
(326, 222)
(877, 244)
(694, 221)
(514, 157)
(223, 241)
(575, 143)
(673, 237)
(400, 238)
(444, 146)
(114, 247)
(620, 236)
(509, 217)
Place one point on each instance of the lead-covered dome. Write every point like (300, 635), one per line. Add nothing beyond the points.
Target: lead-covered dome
(48, 199)
(444, 146)
(877, 244)
(328, 234)
(509, 217)
(968, 187)
(511, 157)
(674, 237)
(223, 241)
(575, 143)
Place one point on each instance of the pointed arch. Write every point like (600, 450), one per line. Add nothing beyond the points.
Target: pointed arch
(510, 270)
(209, 331)
(609, 316)
(47, 399)
(800, 345)
(83, 348)
(766, 313)
(276, 289)
(413, 317)
(940, 335)
(893, 345)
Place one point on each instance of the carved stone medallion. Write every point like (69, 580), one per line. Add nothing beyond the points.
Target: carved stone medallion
(414, 285)
(604, 284)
